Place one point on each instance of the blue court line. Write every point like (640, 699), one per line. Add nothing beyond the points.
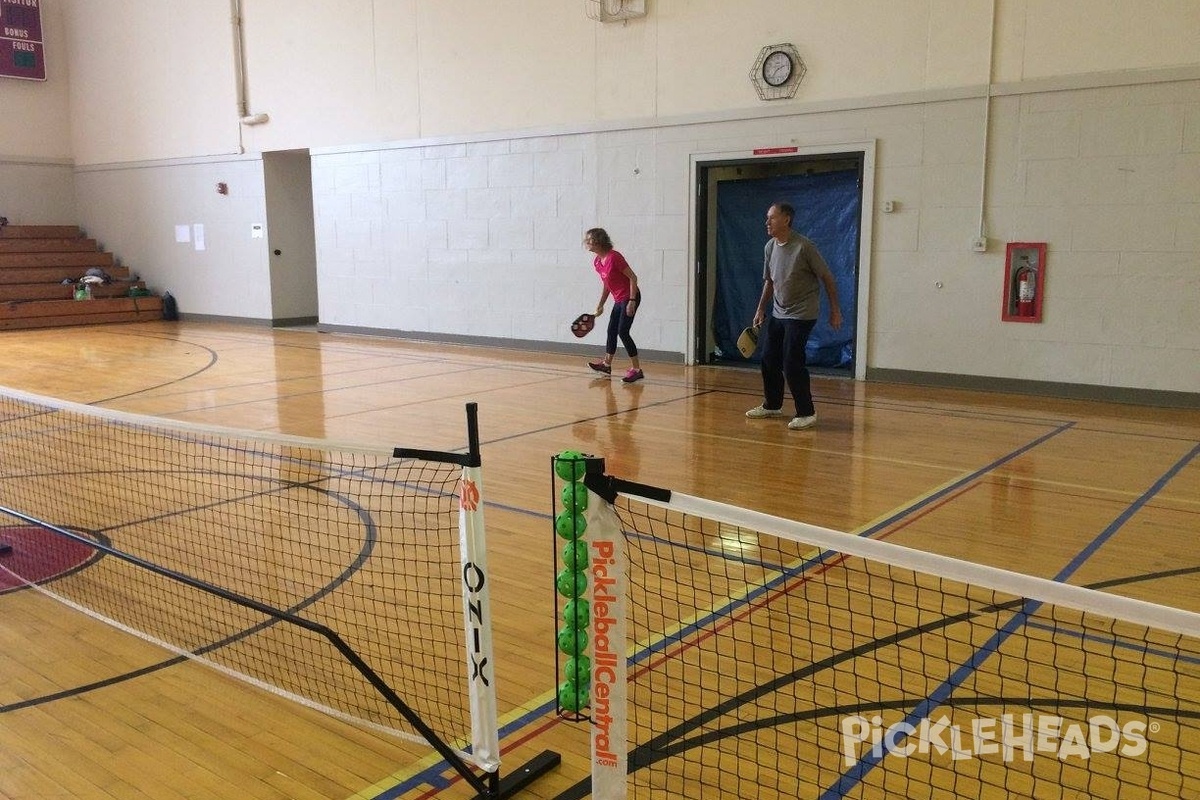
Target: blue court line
(853, 776)
(1118, 644)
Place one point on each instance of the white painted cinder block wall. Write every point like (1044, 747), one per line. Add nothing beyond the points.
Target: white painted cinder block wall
(484, 238)
(481, 238)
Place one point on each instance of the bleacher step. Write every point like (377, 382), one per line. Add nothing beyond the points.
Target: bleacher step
(40, 232)
(40, 269)
(48, 246)
(54, 313)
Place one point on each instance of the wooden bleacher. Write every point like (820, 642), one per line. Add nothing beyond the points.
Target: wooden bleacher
(34, 262)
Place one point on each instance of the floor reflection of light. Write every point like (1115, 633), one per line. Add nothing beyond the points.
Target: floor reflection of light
(734, 539)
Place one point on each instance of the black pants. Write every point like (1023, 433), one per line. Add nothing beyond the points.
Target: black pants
(618, 326)
(783, 360)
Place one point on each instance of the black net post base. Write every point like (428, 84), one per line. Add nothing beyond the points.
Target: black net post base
(527, 773)
(5, 549)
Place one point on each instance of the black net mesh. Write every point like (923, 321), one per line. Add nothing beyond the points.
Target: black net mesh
(769, 668)
(152, 518)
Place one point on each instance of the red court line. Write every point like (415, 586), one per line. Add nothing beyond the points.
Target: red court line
(793, 584)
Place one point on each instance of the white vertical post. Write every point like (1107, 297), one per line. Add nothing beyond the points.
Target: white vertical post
(485, 735)
(607, 586)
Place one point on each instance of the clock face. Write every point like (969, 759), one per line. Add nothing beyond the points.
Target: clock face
(777, 68)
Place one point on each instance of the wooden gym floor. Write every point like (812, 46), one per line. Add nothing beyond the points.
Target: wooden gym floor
(1034, 485)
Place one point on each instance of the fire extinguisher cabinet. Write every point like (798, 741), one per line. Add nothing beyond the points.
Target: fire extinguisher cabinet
(1024, 281)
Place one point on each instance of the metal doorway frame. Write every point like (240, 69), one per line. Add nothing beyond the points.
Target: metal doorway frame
(699, 293)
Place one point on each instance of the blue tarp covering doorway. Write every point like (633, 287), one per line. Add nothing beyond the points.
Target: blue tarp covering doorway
(827, 211)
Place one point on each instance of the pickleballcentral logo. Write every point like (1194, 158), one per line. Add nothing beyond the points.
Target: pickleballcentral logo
(1006, 736)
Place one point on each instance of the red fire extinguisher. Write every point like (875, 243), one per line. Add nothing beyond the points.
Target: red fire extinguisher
(1026, 288)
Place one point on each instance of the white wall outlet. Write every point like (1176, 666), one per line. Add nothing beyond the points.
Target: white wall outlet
(979, 244)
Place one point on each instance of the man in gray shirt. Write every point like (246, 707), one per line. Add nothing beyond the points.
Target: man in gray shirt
(793, 272)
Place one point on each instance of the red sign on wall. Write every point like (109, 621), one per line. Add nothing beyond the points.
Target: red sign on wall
(22, 51)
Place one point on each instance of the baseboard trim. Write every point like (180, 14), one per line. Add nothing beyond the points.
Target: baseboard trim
(293, 322)
(1073, 391)
(257, 322)
(253, 321)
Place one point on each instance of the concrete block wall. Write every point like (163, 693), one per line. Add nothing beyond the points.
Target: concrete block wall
(482, 238)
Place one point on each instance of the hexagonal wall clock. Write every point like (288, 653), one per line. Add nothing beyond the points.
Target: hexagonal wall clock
(777, 72)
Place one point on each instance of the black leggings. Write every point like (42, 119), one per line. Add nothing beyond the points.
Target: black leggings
(618, 326)
(783, 360)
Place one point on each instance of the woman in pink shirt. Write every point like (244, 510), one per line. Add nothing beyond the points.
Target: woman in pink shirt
(619, 280)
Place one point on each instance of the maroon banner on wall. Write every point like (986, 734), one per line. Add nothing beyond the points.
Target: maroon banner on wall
(22, 51)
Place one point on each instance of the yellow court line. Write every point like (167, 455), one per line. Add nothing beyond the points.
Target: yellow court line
(390, 782)
(432, 759)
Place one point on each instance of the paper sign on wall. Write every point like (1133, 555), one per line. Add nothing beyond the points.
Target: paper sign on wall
(198, 236)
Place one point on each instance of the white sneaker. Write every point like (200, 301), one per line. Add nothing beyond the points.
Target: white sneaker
(758, 412)
(800, 423)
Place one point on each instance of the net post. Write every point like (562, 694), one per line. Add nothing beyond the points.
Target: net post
(477, 614)
(609, 687)
(475, 458)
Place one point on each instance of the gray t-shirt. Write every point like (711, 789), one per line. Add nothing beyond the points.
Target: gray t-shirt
(796, 268)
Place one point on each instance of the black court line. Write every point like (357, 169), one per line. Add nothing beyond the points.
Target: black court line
(716, 387)
(696, 391)
(213, 358)
(471, 365)
(367, 546)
